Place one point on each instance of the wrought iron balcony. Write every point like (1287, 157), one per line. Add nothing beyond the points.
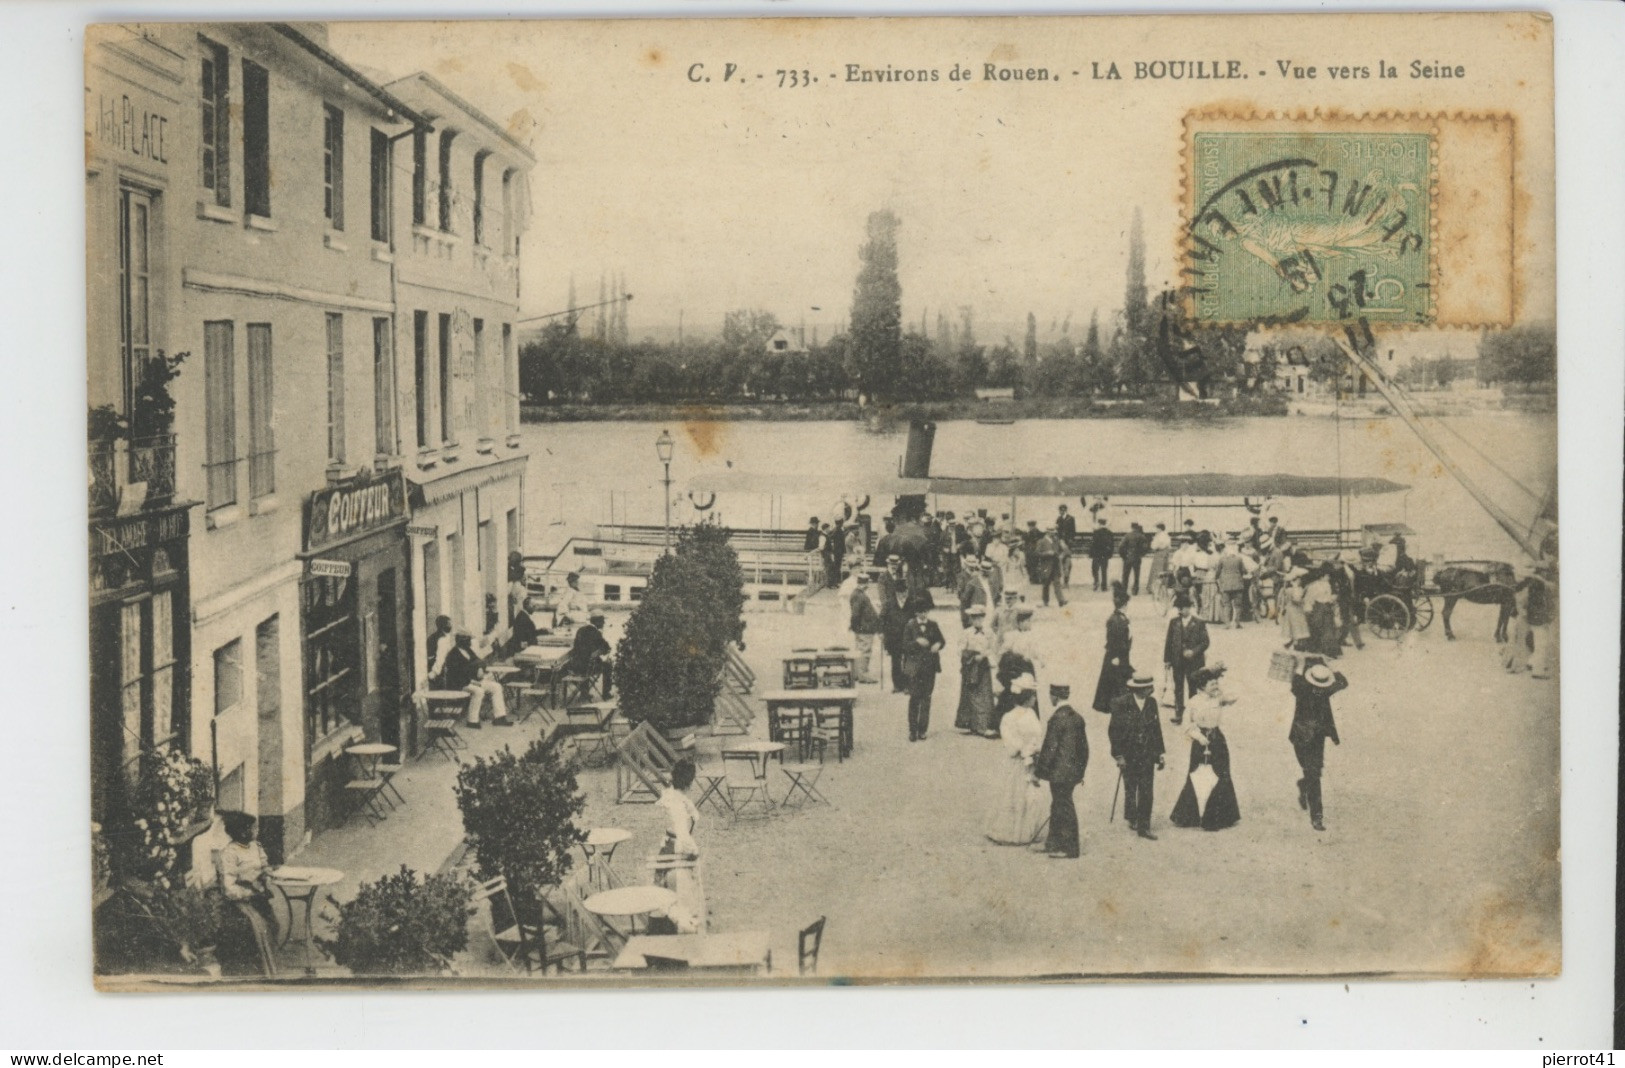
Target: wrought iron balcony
(116, 465)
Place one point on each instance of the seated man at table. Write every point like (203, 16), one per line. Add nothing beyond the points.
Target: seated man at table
(589, 656)
(465, 670)
(522, 631)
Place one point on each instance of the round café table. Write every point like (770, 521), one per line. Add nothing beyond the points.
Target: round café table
(631, 902)
(758, 751)
(599, 847)
(302, 885)
(370, 753)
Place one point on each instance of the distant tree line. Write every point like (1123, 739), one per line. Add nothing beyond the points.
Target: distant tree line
(1149, 348)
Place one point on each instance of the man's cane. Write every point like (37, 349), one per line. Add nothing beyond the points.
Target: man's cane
(1113, 816)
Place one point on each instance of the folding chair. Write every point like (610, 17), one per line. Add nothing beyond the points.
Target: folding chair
(803, 786)
(520, 943)
(744, 787)
(811, 936)
(733, 714)
(442, 738)
(740, 671)
(366, 790)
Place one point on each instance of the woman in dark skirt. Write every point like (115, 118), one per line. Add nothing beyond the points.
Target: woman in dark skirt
(1208, 746)
(1115, 670)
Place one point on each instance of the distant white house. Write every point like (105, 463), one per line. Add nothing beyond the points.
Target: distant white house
(1002, 393)
(783, 344)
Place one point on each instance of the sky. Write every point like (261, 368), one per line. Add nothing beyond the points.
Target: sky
(1014, 196)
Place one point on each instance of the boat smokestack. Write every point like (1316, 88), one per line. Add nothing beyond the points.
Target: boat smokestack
(922, 436)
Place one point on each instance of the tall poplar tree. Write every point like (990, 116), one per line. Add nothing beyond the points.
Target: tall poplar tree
(875, 354)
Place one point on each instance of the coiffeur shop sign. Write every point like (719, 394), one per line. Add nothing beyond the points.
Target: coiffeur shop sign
(344, 512)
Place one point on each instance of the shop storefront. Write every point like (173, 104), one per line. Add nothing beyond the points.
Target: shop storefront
(354, 608)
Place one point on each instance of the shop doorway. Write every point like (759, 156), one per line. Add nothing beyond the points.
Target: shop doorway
(388, 671)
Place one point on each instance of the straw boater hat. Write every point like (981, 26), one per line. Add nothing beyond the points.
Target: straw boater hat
(1024, 684)
(1024, 612)
(988, 565)
(976, 610)
(1142, 682)
(1319, 676)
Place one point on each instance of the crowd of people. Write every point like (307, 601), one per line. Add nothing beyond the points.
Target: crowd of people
(1000, 576)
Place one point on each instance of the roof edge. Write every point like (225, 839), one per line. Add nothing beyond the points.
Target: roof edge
(389, 100)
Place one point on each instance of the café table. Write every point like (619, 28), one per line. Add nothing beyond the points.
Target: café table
(725, 952)
(758, 751)
(599, 848)
(843, 699)
(630, 902)
(548, 663)
(369, 754)
(302, 885)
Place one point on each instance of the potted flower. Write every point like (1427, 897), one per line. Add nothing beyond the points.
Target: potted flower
(402, 924)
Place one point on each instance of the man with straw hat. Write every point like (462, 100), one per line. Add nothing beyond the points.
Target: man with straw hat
(1312, 724)
(1061, 762)
(1136, 739)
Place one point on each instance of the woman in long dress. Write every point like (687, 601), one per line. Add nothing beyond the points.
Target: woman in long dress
(1320, 611)
(975, 713)
(1115, 669)
(1208, 746)
(1294, 619)
(1020, 807)
(678, 863)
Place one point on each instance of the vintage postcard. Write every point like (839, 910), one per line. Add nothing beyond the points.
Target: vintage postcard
(822, 500)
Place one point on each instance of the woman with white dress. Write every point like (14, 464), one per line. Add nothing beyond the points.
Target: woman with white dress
(1021, 805)
(1205, 712)
(677, 867)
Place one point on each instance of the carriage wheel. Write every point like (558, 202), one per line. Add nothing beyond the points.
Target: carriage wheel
(1387, 616)
(1423, 608)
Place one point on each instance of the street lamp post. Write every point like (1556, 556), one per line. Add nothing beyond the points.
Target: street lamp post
(663, 449)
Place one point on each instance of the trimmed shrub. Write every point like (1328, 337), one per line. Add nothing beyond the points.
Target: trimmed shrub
(402, 925)
(519, 814)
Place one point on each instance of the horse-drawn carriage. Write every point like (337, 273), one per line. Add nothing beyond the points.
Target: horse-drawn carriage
(1405, 587)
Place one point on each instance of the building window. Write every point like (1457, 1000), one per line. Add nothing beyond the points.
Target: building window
(420, 374)
(216, 125)
(446, 137)
(332, 651)
(220, 414)
(228, 677)
(510, 382)
(335, 388)
(445, 377)
(479, 197)
(333, 165)
(381, 153)
(420, 177)
(261, 436)
(383, 387)
(135, 288)
(479, 401)
(256, 139)
(507, 213)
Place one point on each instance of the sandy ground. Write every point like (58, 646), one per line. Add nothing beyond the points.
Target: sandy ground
(1440, 855)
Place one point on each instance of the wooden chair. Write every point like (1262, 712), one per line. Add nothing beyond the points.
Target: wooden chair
(801, 670)
(583, 928)
(808, 944)
(825, 734)
(522, 944)
(794, 728)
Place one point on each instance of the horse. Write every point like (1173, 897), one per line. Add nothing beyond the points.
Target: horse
(1478, 582)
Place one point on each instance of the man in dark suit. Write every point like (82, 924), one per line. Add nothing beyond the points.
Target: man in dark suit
(1184, 651)
(814, 538)
(974, 589)
(589, 653)
(1312, 723)
(1066, 526)
(1136, 737)
(894, 612)
(922, 644)
(1133, 550)
(465, 670)
(1101, 546)
(1061, 762)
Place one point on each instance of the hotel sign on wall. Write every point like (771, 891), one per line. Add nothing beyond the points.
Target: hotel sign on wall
(344, 512)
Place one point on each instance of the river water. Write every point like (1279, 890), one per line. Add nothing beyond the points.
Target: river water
(778, 474)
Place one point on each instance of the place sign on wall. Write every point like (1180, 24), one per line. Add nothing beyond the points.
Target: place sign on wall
(340, 513)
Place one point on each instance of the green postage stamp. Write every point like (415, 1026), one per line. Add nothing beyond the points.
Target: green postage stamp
(1311, 227)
